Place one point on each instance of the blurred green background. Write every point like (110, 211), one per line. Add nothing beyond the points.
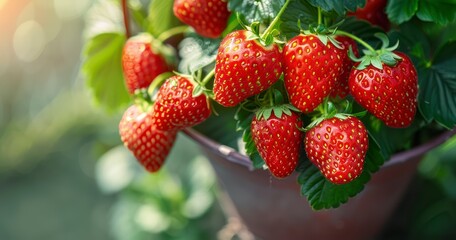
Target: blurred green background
(64, 176)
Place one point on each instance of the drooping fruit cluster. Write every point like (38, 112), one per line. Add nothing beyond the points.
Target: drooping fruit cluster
(148, 129)
(308, 76)
(150, 134)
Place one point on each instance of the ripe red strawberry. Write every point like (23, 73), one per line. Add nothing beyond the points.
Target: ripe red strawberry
(244, 68)
(208, 17)
(148, 144)
(278, 140)
(311, 70)
(341, 88)
(374, 12)
(141, 63)
(389, 93)
(338, 148)
(176, 108)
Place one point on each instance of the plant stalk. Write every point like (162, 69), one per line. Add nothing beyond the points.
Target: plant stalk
(126, 18)
(276, 19)
(208, 77)
(362, 42)
(172, 32)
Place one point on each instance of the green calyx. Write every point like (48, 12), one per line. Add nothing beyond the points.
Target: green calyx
(328, 110)
(376, 58)
(270, 34)
(278, 110)
(324, 34)
(142, 99)
(200, 83)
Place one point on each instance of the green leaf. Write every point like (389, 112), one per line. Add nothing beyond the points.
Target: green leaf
(297, 11)
(339, 6)
(438, 11)
(103, 71)
(323, 194)
(437, 98)
(161, 17)
(262, 11)
(197, 52)
(389, 140)
(400, 11)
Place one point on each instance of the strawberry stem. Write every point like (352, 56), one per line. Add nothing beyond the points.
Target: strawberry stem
(172, 32)
(126, 18)
(208, 77)
(319, 16)
(274, 22)
(362, 42)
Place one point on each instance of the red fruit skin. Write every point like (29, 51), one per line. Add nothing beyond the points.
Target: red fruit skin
(390, 93)
(244, 68)
(175, 108)
(149, 145)
(278, 141)
(141, 63)
(208, 17)
(341, 88)
(338, 148)
(311, 70)
(374, 12)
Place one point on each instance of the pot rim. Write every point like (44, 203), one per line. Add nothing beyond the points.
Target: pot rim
(234, 156)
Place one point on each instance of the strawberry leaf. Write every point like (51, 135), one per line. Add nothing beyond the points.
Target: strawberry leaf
(299, 13)
(400, 11)
(103, 71)
(390, 140)
(161, 17)
(339, 6)
(323, 194)
(197, 52)
(437, 98)
(256, 11)
(438, 11)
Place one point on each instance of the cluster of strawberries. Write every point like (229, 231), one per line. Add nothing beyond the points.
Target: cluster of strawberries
(314, 67)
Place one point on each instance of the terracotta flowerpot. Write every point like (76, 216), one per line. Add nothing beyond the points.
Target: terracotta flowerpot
(274, 209)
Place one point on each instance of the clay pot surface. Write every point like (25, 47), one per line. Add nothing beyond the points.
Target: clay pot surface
(274, 209)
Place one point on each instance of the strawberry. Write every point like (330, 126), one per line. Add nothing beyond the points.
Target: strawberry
(311, 70)
(277, 139)
(176, 108)
(338, 148)
(390, 93)
(374, 13)
(244, 68)
(208, 17)
(141, 63)
(149, 145)
(341, 88)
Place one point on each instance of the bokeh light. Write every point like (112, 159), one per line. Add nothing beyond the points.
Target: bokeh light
(68, 10)
(29, 41)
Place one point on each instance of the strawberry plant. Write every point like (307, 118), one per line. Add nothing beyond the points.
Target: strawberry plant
(325, 91)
